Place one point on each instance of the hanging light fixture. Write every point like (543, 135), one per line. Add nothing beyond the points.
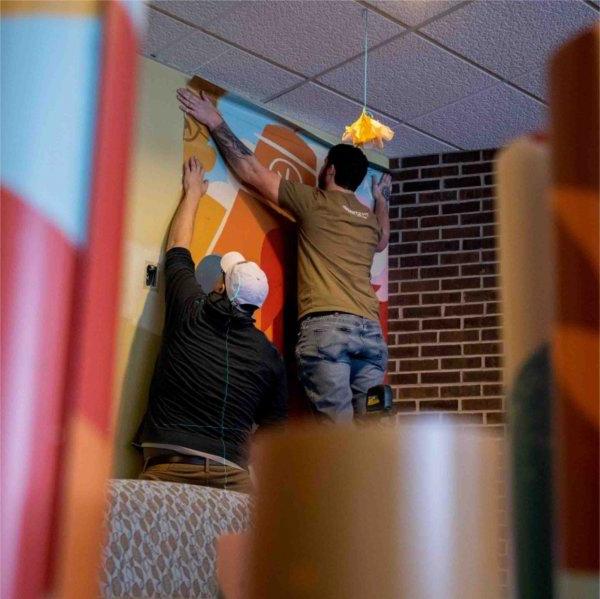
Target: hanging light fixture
(366, 130)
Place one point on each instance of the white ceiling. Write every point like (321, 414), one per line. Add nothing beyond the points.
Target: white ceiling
(444, 74)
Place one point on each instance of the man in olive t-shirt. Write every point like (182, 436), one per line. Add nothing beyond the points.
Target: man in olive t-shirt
(341, 352)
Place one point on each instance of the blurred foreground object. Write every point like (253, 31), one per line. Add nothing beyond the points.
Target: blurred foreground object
(527, 268)
(68, 91)
(371, 512)
(575, 201)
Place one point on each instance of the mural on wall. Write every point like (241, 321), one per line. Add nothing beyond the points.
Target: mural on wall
(231, 218)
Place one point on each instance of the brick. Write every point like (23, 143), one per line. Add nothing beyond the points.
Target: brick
(494, 362)
(440, 246)
(463, 310)
(411, 351)
(410, 378)
(403, 199)
(477, 219)
(440, 171)
(439, 404)
(489, 256)
(461, 283)
(477, 376)
(420, 235)
(460, 363)
(393, 314)
(405, 175)
(489, 154)
(489, 231)
(404, 223)
(394, 214)
(419, 392)
(429, 311)
(478, 269)
(402, 325)
(441, 350)
(418, 365)
(469, 156)
(464, 418)
(460, 207)
(495, 418)
(393, 262)
(492, 390)
(439, 221)
(420, 160)
(473, 169)
(420, 211)
(455, 182)
(421, 260)
(393, 287)
(410, 286)
(481, 296)
(491, 335)
(440, 323)
(405, 406)
(403, 248)
(392, 367)
(460, 258)
(440, 377)
(394, 163)
(421, 185)
(478, 244)
(461, 232)
(491, 282)
(403, 274)
(437, 196)
(492, 403)
(489, 179)
(480, 322)
(440, 271)
(474, 194)
(411, 338)
(459, 336)
(404, 299)
(461, 391)
(493, 308)
(440, 298)
(488, 205)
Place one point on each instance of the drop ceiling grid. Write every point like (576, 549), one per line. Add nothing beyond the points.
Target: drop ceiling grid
(345, 77)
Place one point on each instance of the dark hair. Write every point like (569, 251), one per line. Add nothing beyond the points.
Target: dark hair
(350, 165)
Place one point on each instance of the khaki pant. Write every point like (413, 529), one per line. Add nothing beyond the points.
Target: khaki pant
(211, 475)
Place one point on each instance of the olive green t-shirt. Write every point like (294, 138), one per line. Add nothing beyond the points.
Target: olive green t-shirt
(337, 238)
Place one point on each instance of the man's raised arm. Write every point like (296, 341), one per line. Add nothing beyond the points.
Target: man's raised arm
(242, 161)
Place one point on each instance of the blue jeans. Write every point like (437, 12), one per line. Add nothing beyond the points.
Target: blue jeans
(340, 356)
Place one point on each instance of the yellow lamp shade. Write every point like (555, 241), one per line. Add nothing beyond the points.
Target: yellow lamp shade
(366, 130)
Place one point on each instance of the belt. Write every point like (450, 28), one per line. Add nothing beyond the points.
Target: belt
(175, 459)
(325, 313)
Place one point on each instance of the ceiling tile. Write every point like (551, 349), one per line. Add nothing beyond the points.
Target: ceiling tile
(534, 82)
(162, 31)
(247, 75)
(408, 77)
(413, 12)
(510, 37)
(307, 37)
(326, 111)
(191, 52)
(197, 12)
(487, 119)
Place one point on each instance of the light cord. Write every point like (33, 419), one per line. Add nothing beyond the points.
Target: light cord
(366, 13)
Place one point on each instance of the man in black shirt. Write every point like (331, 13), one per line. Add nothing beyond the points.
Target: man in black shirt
(217, 375)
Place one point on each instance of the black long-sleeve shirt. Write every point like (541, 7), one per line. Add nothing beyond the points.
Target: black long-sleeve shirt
(216, 375)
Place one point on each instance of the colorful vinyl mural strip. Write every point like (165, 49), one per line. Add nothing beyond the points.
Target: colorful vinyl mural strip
(230, 218)
(66, 125)
(575, 203)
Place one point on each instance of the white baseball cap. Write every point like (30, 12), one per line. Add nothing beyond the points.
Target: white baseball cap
(245, 282)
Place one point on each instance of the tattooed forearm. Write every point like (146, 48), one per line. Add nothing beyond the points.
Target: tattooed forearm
(386, 192)
(231, 147)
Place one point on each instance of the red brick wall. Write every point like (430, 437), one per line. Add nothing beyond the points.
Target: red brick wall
(445, 338)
